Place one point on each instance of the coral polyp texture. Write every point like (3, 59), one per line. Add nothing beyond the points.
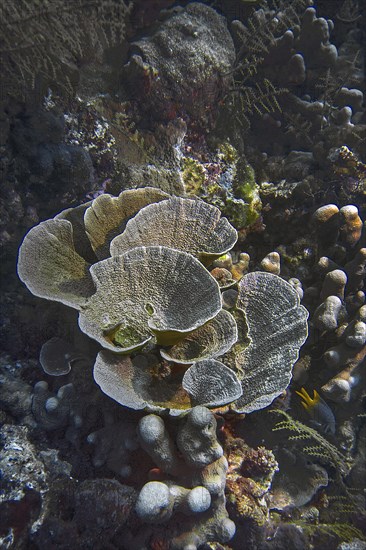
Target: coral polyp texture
(189, 225)
(163, 291)
(277, 327)
(155, 308)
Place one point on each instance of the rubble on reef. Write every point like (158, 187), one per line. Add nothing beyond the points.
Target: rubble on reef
(183, 246)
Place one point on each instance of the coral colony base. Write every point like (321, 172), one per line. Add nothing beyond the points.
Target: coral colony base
(187, 371)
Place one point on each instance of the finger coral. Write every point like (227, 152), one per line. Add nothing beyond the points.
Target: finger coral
(340, 316)
(199, 467)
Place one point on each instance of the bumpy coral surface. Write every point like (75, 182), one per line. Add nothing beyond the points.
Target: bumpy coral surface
(195, 495)
(181, 66)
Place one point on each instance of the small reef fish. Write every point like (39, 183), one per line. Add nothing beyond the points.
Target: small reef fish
(321, 414)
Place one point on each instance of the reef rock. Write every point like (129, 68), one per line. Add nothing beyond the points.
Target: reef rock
(181, 67)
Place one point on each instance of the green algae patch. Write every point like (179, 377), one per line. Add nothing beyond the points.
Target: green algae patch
(228, 153)
(149, 308)
(227, 181)
(246, 188)
(193, 174)
(237, 211)
(123, 336)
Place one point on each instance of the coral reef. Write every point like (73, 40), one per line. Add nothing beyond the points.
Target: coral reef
(249, 480)
(28, 479)
(197, 174)
(340, 312)
(293, 52)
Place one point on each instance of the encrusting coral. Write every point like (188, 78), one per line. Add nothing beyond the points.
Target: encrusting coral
(154, 294)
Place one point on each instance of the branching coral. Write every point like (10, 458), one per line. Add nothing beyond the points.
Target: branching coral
(289, 81)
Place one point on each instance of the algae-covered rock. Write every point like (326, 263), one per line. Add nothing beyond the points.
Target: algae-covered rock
(224, 180)
(194, 175)
(183, 64)
(245, 188)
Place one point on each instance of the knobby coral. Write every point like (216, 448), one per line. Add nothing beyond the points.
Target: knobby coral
(198, 501)
(135, 267)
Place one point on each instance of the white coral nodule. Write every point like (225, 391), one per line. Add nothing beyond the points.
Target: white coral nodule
(134, 268)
